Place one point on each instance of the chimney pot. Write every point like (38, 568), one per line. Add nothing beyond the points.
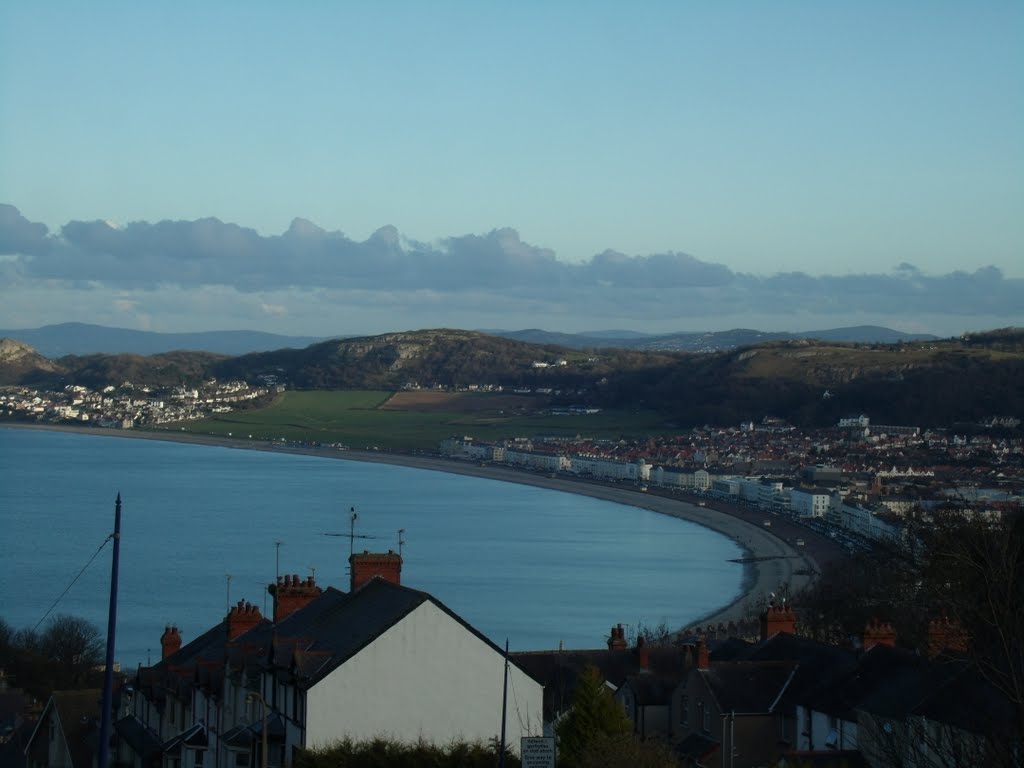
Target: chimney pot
(703, 658)
(617, 641)
(291, 594)
(945, 634)
(643, 652)
(367, 566)
(777, 618)
(170, 641)
(879, 633)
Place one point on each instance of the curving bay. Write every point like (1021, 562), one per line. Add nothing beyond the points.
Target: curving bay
(538, 560)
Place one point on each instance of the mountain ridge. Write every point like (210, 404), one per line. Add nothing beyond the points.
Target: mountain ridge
(806, 382)
(72, 338)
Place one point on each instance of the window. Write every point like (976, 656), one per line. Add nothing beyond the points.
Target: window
(241, 759)
(684, 710)
(705, 717)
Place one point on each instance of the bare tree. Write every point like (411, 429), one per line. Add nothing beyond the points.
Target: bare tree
(918, 742)
(75, 646)
(975, 570)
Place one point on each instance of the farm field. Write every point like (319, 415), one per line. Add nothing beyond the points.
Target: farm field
(363, 419)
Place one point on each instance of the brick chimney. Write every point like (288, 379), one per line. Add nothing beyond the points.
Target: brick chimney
(946, 634)
(617, 641)
(371, 565)
(703, 660)
(170, 641)
(777, 618)
(879, 633)
(643, 652)
(242, 618)
(291, 593)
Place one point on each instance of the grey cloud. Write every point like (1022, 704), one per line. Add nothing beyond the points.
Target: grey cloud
(18, 235)
(679, 269)
(473, 272)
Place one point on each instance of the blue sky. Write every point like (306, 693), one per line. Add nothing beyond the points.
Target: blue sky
(788, 165)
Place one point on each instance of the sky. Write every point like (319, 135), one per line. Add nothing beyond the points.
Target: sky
(323, 168)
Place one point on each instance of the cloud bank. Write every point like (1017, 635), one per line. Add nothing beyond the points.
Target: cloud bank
(483, 277)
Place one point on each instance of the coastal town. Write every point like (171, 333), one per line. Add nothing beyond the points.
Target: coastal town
(128, 405)
(858, 479)
(259, 689)
(866, 480)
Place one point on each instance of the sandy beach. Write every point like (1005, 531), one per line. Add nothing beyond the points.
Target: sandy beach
(773, 560)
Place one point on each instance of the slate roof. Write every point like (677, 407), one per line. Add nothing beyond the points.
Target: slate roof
(890, 682)
(79, 715)
(965, 700)
(821, 671)
(894, 683)
(197, 663)
(651, 690)
(558, 671)
(194, 736)
(142, 739)
(886, 682)
(304, 647)
(335, 626)
(748, 687)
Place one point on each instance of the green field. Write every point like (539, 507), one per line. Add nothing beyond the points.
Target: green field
(356, 420)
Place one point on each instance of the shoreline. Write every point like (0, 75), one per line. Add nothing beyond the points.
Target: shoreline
(777, 561)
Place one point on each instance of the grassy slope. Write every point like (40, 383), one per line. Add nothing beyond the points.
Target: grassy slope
(355, 419)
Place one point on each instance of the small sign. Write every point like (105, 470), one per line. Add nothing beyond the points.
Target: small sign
(537, 751)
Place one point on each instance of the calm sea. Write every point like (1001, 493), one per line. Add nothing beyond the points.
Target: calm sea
(536, 566)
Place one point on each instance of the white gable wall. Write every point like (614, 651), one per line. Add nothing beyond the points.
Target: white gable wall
(428, 677)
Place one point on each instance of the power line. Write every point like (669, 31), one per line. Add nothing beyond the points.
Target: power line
(69, 586)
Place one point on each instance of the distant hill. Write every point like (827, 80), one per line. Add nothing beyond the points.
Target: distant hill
(55, 341)
(806, 382)
(710, 341)
(19, 361)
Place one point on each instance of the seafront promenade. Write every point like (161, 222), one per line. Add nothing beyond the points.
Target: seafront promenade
(771, 560)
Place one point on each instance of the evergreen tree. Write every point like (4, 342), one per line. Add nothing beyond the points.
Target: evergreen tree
(594, 715)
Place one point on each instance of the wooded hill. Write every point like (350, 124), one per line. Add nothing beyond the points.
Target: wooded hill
(929, 383)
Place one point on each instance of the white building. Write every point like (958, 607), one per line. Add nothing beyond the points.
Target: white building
(876, 523)
(609, 469)
(670, 477)
(809, 502)
(855, 421)
(379, 660)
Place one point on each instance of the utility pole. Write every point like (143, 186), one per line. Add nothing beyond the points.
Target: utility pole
(504, 709)
(108, 672)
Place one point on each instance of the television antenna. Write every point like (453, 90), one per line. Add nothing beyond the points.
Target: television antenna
(351, 535)
(401, 540)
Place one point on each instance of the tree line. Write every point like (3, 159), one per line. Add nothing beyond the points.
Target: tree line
(67, 654)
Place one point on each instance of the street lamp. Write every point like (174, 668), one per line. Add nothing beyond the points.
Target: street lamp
(255, 696)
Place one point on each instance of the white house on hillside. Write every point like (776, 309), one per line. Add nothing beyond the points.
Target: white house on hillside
(379, 660)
